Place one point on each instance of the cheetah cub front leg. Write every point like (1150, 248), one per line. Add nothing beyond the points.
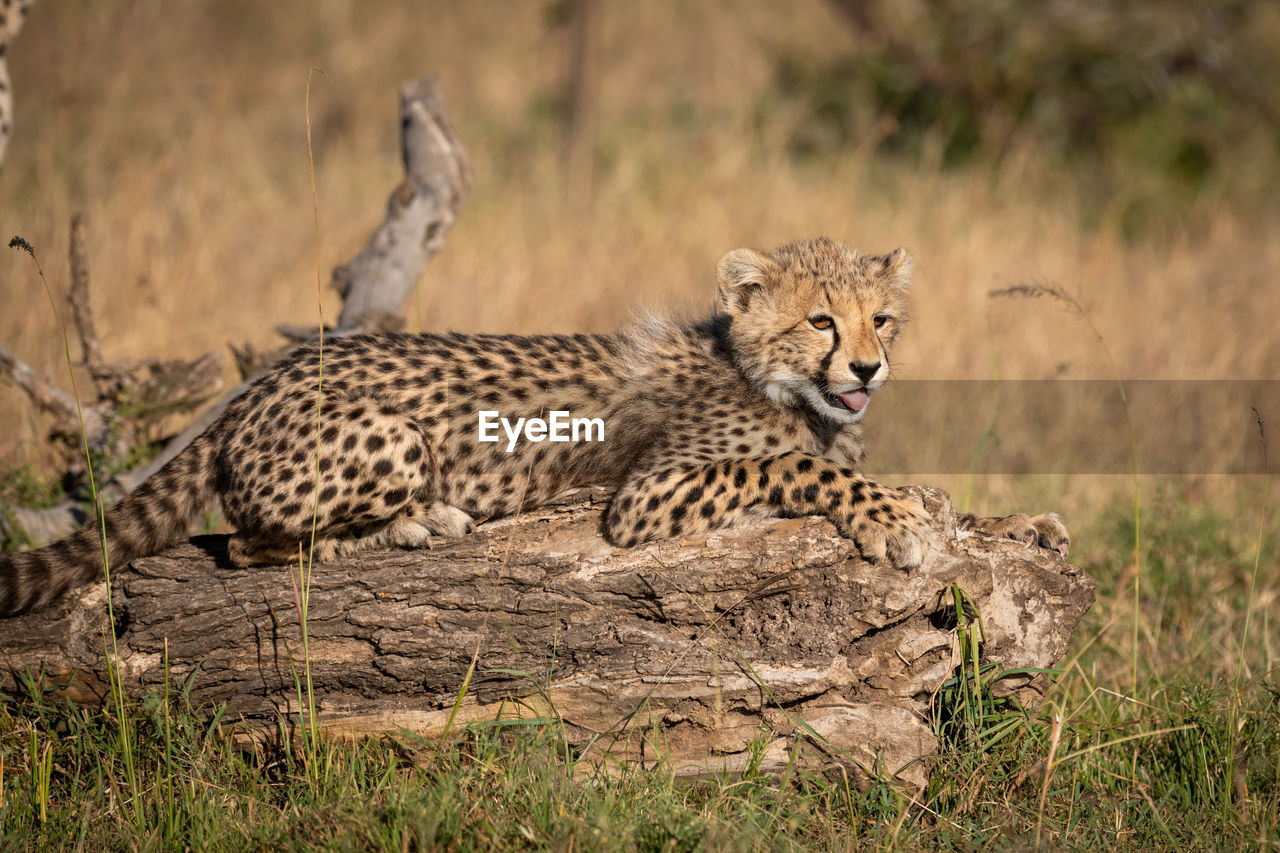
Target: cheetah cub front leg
(676, 497)
(1046, 531)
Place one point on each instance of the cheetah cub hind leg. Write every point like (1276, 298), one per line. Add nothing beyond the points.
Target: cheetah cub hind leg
(413, 529)
(442, 519)
(247, 550)
(1046, 531)
(398, 533)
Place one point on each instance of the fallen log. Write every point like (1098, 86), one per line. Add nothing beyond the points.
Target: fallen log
(711, 652)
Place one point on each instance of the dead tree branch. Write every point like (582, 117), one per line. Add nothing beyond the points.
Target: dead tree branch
(714, 651)
(376, 283)
(54, 401)
(81, 310)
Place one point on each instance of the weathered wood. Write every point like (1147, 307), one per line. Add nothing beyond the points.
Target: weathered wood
(56, 402)
(710, 651)
(376, 283)
(82, 309)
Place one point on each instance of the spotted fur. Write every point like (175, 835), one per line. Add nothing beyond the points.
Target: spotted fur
(372, 441)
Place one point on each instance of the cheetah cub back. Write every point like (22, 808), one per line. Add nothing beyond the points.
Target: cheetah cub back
(753, 410)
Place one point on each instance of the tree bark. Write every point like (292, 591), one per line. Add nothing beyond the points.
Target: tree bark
(713, 652)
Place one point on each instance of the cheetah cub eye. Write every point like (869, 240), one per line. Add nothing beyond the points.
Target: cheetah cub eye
(821, 323)
(880, 319)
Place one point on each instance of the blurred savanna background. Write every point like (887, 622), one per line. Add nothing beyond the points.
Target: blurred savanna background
(1124, 154)
(1118, 159)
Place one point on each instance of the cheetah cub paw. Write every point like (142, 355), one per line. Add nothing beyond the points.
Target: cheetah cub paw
(444, 520)
(1046, 531)
(888, 524)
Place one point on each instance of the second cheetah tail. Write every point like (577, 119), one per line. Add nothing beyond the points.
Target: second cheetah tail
(155, 514)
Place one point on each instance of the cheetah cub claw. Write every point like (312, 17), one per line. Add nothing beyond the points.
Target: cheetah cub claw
(1046, 530)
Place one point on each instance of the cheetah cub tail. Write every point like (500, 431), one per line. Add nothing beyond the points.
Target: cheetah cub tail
(155, 514)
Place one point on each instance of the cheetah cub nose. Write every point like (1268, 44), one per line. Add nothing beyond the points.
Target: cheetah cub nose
(865, 371)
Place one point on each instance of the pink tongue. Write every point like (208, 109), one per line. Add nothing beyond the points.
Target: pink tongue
(855, 399)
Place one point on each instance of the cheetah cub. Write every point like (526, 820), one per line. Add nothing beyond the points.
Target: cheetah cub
(752, 411)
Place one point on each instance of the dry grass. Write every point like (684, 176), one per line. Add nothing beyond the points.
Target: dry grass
(179, 129)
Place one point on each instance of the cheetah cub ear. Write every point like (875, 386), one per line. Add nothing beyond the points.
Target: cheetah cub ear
(894, 268)
(743, 274)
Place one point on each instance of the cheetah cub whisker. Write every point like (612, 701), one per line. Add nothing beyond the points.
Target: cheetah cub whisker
(752, 410)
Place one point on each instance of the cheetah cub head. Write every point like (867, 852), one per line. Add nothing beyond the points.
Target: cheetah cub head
(812, 323)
